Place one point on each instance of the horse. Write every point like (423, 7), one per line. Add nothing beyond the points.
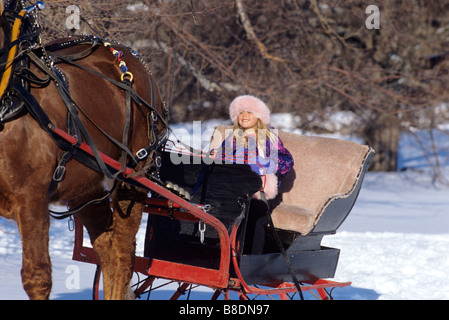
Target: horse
(83, 75)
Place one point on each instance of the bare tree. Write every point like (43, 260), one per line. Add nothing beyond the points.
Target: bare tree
(302, 56)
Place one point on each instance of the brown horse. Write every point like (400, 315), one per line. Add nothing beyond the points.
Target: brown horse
(28, 157)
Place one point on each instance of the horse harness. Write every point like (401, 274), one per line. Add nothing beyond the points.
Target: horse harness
(23, 46)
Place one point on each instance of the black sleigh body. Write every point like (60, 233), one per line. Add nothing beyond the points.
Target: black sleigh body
(314, 200)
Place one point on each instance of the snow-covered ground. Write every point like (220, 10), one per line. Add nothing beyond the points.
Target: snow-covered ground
(394, 244)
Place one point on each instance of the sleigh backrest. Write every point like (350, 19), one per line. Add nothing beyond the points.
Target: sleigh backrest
(325, 171)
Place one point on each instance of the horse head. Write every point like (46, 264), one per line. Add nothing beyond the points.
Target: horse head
(14, 11)
(18, 7)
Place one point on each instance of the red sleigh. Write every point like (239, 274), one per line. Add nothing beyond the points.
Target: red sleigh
(200, 242)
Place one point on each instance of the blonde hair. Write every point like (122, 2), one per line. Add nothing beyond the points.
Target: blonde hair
(242, 138)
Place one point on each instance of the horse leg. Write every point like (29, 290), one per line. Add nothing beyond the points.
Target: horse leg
(98, 221)
(34, 223)
(128, 206)
(112, 236)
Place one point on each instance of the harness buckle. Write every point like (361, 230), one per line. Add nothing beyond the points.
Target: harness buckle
(154, 116)
(142, 154)
(59, 173)
(158, 161)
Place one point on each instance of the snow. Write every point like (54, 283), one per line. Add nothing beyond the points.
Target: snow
(394, 244)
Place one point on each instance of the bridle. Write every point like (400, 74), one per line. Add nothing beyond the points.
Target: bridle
(21, 34)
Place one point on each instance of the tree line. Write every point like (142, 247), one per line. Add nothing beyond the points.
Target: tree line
(307, 57)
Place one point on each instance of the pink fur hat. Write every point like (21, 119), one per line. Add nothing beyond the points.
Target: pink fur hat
(250, 104)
